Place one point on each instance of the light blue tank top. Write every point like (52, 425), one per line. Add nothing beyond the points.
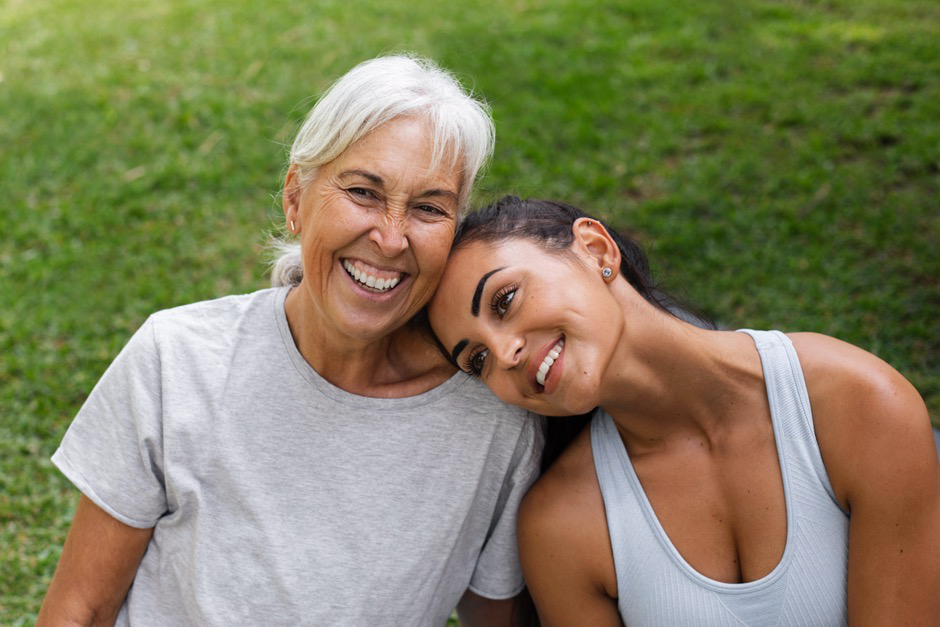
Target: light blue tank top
(656, 586)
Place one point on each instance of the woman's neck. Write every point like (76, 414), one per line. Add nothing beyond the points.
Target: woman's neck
(402, 363)
(670, 381)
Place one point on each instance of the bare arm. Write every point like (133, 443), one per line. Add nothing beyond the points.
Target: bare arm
(97, 567)
(876, 440)
(476, 611)
(566, 558)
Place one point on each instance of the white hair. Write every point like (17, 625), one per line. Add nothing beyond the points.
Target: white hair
(372, 94)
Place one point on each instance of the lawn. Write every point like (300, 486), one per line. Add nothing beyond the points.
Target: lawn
(780, 159)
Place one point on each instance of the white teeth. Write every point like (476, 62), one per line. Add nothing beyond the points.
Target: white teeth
(549, 360)
(368, 280)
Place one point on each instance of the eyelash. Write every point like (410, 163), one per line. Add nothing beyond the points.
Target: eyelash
(472, 369)
(508, 291)
(469, 365)
(431, 209)
(361, 191)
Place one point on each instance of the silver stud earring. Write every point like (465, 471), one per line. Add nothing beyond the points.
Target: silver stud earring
(292, 227)
(607, 272)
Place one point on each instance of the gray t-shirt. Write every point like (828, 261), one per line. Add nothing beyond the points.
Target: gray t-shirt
(278, 498)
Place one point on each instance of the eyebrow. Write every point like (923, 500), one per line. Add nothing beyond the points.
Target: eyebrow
(462, 344)
(438, 192)
(475, 303)
(475, 310)
(370, 176)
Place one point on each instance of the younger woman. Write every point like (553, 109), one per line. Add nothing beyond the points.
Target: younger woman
(727, 478)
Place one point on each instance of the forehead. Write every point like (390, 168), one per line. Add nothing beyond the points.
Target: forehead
(403, 147)
(467, 265)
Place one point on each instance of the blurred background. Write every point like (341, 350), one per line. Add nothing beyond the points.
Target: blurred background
(780, 159)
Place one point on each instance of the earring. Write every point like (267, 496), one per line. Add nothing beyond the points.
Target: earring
(292, 227)
(606, 272)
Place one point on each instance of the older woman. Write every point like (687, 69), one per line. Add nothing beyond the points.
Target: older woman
(302, 454)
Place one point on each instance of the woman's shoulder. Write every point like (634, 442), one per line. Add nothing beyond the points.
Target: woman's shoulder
(219, 309)
(210, 332)
(563, 514)
(566, 499)
(216, 318)
(865, 413)
(572, 475)
(843, 377)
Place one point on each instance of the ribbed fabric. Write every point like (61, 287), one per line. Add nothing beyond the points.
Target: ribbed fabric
(656, 586)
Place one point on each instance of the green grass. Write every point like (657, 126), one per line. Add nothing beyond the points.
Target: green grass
(780, 158)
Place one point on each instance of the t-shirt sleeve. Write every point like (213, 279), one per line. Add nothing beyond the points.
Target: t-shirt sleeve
(113, 450)
(498, 574)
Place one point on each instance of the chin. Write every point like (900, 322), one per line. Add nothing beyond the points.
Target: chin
(560, 410)
(559, 413)
(373, 330)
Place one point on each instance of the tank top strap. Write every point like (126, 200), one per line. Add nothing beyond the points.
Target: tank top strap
(639, 551)
(788, 398)
(615, 477)
(610, 458)
(656, 586)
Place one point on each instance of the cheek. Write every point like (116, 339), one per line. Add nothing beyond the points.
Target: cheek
(328, 230)
(331, 211)
(431, 244)
(506, 390)
(316, 250)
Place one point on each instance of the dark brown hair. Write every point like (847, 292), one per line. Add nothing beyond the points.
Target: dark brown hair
(548, 223)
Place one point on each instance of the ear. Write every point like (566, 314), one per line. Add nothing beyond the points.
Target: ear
(291, 197)
(593, 241)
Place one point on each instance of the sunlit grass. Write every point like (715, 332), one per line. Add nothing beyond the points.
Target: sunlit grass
(780, 158)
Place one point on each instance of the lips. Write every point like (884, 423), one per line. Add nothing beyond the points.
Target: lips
(371, 278)
(541, 368)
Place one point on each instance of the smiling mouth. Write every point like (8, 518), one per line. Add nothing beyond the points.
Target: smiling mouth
(549, 360)
(372, 279)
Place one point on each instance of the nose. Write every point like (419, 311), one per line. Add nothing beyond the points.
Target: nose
(509, 354)
(389, 235)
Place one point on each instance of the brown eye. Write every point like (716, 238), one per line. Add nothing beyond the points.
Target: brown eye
(476, 362)
(503, 302)
(361, 192)
(431, 210)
